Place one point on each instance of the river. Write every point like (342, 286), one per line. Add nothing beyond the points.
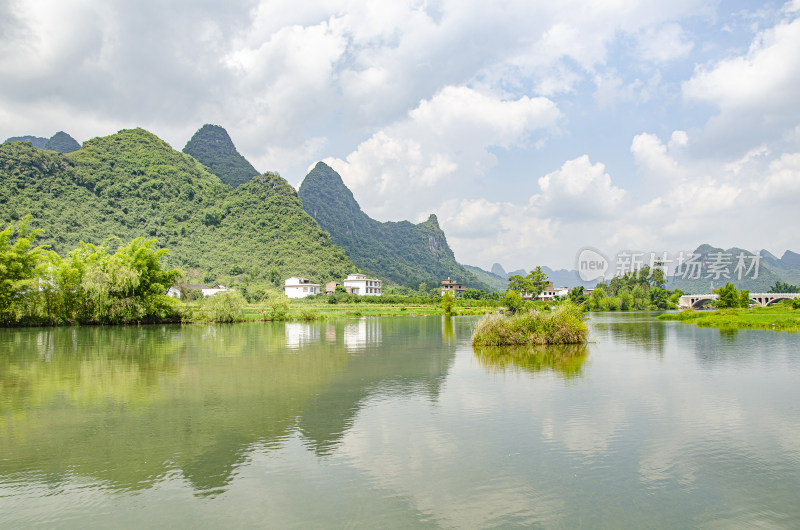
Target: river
(398, 423)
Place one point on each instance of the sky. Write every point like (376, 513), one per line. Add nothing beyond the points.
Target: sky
(531, 129)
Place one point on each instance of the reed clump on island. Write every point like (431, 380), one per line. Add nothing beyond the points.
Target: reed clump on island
(562, 325)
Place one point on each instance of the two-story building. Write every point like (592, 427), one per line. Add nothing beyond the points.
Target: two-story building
(551, 292)
(450, 286)
(296, 287)
(361, 285)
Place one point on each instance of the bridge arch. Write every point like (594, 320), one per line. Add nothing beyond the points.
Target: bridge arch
(697, 304)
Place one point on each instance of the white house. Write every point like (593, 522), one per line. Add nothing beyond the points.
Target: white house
(175, 291)
(295, 287)
(550, 292)
(360, 284)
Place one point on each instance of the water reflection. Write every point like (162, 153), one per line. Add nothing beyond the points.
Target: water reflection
(639, 330)
(363, 333)
(564, 359)
(130, 406)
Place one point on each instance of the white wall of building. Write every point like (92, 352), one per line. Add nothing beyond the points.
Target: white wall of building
(295, 287)
(361, 285)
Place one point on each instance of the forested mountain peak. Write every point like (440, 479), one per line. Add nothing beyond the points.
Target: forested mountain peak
(61, 142)
(213, 147)
(402, 252)
(324, 182)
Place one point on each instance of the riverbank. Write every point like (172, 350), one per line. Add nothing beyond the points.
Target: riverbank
(302, 310)
(779, 318)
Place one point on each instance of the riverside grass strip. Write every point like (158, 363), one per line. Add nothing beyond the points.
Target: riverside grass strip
(779, 318)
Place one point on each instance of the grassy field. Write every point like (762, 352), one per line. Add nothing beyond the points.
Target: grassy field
(320, 309)
(779, 317)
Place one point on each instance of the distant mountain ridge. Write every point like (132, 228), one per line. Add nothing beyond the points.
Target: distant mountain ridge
(213, 147)
(718, 266)
(402, 252)
(60, 142)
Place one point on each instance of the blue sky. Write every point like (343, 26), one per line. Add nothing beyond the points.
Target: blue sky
(532, 129)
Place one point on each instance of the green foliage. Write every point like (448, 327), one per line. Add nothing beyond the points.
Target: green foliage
(132, 184)
(659, 298)
(533, 284)
(402, 252)
(277, 307)
(225, 306)
(563, 325)
(729, 297)
(576, 295)
(19, 263)
(212, 146)
(511, 300)
(89, 286)
(781, 287)
(447, 303)
(644, 278)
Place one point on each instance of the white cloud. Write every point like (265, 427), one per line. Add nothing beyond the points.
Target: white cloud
(663, 44)
(403, 167)
(578, 191)
(756, 93)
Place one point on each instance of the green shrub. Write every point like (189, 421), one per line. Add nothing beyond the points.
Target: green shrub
(221, 307)
(564, 325)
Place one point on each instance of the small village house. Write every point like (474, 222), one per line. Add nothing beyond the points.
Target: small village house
(330, 287)
(361, 285)
(205, 290)
(450, 286)
(296, 287)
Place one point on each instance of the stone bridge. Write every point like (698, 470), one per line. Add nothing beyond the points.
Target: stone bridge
(696, 301)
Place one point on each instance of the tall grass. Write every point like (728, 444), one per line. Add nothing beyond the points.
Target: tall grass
(563, 325)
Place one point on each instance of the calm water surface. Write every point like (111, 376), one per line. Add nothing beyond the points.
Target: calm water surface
(397, 422)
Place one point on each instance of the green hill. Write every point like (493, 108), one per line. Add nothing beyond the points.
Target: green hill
(133, 184)
(212, 146)
(496, 283)
(402, 252)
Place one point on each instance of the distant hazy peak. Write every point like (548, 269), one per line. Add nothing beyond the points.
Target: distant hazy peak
(498, 270)
(61, 142)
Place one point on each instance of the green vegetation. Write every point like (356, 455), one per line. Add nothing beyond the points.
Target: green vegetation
(212, 146)
(133, 184)
(493, 281)
(533, 284)
(729, 297)
(402, 252)
(781, 287)
(563, 325)
(637, 290)
(89, 286)
(782, 317)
